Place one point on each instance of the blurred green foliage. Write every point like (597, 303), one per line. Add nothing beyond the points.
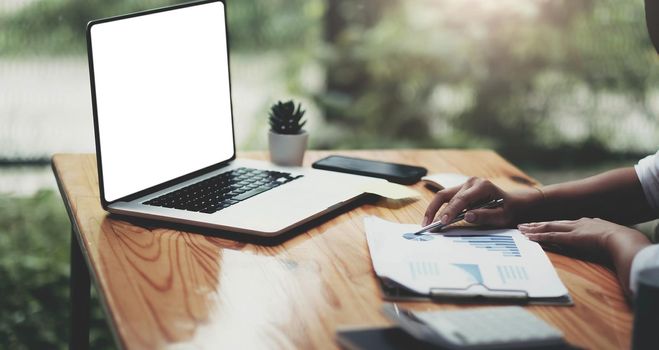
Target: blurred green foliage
(531, 79)
(498, 75)
(57, 27)
(34, 276)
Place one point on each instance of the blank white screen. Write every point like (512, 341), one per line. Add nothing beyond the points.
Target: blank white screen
(162, 96)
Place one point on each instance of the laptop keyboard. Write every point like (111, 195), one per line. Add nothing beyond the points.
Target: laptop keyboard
(222, 190)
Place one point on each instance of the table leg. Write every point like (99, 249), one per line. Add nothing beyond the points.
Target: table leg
(80, 288)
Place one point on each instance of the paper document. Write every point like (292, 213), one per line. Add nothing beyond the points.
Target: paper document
(390, 190)
(445, 180)
(461, 259)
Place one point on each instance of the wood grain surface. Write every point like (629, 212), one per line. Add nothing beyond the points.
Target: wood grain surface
(166, 288)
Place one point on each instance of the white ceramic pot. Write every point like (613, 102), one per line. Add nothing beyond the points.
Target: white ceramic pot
(287, 150)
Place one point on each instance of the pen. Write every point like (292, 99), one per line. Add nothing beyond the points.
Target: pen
(438, 224)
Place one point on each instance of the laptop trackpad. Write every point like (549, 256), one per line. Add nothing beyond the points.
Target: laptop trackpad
(296, 201)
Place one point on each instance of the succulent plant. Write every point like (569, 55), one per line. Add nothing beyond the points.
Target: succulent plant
(286, 119)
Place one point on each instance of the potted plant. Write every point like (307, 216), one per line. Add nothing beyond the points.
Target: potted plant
(287, 139)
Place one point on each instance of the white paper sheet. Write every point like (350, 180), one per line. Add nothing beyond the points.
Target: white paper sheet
(498, 259)
(388, 189)
(445, 180)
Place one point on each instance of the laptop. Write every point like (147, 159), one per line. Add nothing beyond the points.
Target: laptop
(163, 122)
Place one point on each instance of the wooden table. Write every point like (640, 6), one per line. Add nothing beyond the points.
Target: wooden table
(164, 288)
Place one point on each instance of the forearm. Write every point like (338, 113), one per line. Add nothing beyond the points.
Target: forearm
(615, 196)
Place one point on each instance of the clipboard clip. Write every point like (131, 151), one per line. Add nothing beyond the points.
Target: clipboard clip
(477, 290)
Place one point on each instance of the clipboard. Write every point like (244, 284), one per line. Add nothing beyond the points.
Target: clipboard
(477, 293)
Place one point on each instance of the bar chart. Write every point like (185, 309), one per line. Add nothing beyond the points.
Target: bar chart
(512, 273)
(504, 245)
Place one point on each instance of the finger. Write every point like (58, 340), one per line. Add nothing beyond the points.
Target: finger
(549, 237)
(534, 224)
(494, 217)
(549, 226)
(441, 197)
(442, 211)
(462, 200)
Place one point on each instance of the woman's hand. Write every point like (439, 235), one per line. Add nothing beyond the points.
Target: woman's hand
(594, 237)
(476, 191)
(584, 234)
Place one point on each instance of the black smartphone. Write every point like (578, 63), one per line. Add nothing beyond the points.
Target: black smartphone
(399, 173)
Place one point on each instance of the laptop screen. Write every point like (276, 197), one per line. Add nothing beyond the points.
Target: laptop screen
(163, 104)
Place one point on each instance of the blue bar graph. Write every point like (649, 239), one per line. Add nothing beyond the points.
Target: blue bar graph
(512, 273)
(503, 244)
